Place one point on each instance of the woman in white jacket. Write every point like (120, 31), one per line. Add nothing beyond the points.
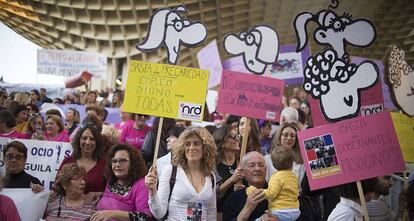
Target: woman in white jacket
(194, 193)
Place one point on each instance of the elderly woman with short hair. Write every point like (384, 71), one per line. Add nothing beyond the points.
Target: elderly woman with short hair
(68, 202)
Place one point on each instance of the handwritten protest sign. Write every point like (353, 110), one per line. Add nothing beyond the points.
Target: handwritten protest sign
(372, 100)
(250, 96)
(166, 90)
(404, 126)
(290, 64)
(43, 158)
(70, 63)
(31, 207)
(209, 59)
(350, 150)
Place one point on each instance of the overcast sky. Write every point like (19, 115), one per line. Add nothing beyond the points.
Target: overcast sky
(18, 60)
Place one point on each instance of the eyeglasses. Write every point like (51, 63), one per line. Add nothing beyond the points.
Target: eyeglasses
(121, 161)
(234, 136)
(17, 157)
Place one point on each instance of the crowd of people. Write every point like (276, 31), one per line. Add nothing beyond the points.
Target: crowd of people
(198, 175)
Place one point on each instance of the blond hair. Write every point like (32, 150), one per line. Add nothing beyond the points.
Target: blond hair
(209, 149)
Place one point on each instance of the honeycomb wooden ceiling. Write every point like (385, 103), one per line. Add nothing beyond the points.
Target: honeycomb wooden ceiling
(114, 27)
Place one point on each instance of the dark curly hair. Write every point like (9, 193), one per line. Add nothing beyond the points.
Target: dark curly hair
(137, 167)
(99, 148)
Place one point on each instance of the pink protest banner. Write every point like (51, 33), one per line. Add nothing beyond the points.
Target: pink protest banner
(209, 59)
(235, 64)
(351, 150)
(372, 99)
(250, 96)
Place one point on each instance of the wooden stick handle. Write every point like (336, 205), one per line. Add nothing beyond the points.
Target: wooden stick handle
(245, 138)
(362, 199)
(157, 142)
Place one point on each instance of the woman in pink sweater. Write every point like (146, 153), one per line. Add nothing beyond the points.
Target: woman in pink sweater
(125, 196)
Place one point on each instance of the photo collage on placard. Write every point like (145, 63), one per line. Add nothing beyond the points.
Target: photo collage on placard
(322, 157)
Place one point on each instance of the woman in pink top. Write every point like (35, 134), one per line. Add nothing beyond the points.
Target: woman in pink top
(125, 120)
(125, 196)
(88, 152)
(7, 126)
(55, 131)
(135, 133)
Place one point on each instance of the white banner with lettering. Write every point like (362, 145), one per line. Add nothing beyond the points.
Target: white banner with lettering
(31, 207)
(70, 63)
(43, 158)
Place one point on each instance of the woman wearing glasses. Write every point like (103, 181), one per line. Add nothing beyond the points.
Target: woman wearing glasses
(286, 135)
(68, 201)
(15, 156)
(228, 150)
(125, 196)
(194, 194)
(87, 152)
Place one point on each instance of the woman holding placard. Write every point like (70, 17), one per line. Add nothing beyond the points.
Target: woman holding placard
(194, 194)
(88, 150)
(228, 150)
(253, 141)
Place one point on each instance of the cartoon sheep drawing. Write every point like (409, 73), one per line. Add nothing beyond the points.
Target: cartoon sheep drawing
(328, 76)
(399, 77)
(259, 47)
(168, 27)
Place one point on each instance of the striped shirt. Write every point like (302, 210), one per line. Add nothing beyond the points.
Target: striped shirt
(378, 210)
(81, 212)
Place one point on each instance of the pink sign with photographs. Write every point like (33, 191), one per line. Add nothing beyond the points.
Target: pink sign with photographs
(250, 96)
(351, 150)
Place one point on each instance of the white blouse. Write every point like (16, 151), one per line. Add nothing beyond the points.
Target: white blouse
(183, 197)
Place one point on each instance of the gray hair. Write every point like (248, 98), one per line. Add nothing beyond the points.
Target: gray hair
(247, 157)
(290, 115)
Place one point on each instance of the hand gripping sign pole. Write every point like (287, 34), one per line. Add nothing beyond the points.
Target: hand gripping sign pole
(244, 145)
(157, 142)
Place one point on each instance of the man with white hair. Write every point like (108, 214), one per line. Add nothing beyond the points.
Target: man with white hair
(291, 115)
(238, 206)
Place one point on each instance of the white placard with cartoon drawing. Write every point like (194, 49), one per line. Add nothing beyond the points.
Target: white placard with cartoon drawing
(259, 47)
(166, 26)
(328, 75)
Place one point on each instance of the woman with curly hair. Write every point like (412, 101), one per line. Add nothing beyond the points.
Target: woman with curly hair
(194, 194)
(125, 196)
